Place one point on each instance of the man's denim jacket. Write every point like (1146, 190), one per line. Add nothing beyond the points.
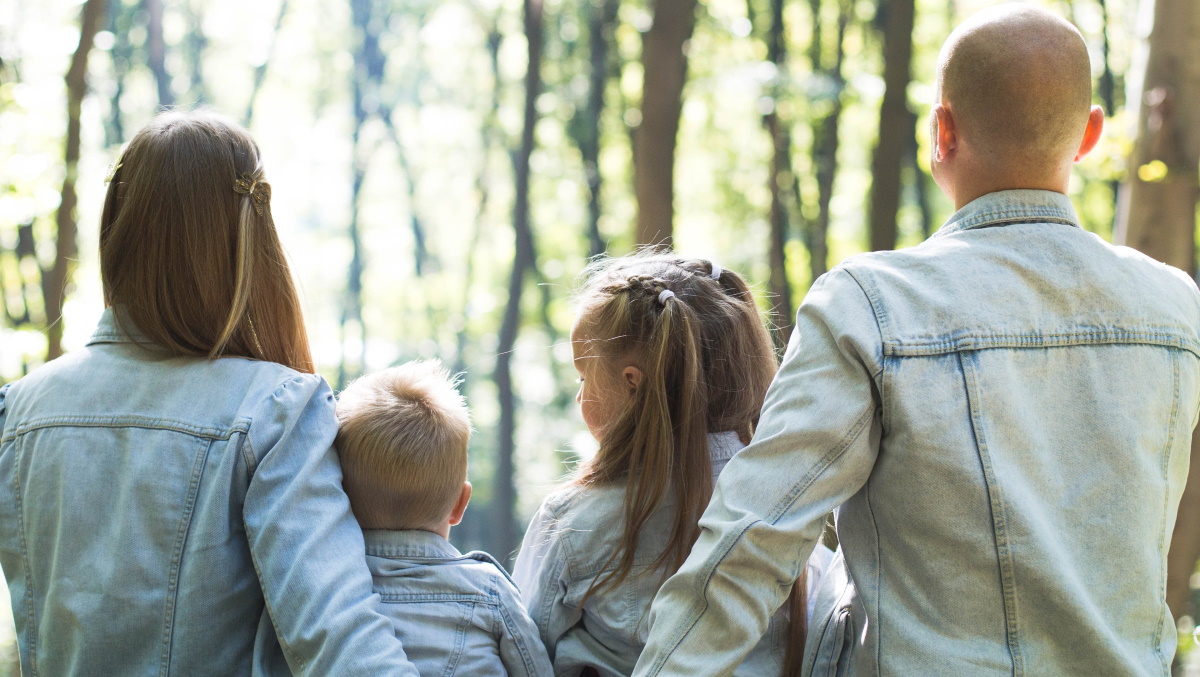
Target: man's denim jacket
(1003, 415)
(456, 614)
(570, 543)
(170, 516)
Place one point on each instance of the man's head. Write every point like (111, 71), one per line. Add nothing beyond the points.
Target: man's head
(402, 437)
(1013, 106)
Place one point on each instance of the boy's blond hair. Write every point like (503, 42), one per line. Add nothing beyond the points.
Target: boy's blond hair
(402, 436)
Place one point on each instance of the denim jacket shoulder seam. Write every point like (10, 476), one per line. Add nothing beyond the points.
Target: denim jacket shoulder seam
(881, 320)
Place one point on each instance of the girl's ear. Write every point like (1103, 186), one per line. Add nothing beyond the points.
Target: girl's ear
(632, 376)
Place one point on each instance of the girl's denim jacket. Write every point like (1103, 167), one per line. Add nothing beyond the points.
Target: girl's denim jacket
(1004, 415)
(172, 516)
(569, 544)
(456, 614)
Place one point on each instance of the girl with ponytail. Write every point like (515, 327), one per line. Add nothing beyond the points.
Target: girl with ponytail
(674, 363)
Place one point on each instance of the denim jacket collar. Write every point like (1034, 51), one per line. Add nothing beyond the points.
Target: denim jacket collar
(408, 543)
(723, 445)
(107, 331)
(1011, 206)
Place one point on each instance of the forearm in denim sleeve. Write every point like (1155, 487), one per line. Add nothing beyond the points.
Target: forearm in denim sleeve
(814, 448)
(521, 648)
(307, 548)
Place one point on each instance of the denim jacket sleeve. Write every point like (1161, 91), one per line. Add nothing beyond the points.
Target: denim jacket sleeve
(815, 446)
(307, 548)
(540, 572)
(521, 649)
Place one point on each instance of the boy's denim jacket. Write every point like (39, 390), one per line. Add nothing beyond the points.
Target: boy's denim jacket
(1003, 415)
(570, 542)
(456, 614)
(169, 516)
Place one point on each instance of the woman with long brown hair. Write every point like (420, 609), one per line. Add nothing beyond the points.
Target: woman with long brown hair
(674, 363)
(171, 502)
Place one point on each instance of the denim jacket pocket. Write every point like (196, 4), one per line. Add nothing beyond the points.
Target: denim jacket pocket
(835, 649)
(832, 634)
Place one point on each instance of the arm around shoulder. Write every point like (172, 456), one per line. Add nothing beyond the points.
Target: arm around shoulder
(814, 447)
(540, 572)
(307, 547)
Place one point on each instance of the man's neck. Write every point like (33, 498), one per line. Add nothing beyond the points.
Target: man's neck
(975, 183)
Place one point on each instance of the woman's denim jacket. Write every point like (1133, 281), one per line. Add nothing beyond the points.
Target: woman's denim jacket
(456, 614)
(169, 516)
(1003, 415)
(570, 543)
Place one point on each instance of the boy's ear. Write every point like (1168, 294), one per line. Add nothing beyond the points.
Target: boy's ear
(944, 135)
(460, 507)
(1091, 134)
(633, 376)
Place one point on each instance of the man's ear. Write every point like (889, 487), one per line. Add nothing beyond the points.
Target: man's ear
(944, 134)
(460, 507)
(1091, 134)
(632, 376)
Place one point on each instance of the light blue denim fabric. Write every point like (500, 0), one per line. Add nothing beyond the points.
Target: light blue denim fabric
(166, 516)
(1003, 415)
(456, 614)
(569, 543)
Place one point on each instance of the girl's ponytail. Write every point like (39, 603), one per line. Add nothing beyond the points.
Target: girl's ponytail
(706, 361)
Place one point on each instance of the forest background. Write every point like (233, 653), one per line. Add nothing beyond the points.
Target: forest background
(442, 169)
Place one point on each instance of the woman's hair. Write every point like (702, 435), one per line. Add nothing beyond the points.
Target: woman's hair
(188, 250)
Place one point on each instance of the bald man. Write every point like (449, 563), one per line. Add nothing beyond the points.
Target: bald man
(1001, 418)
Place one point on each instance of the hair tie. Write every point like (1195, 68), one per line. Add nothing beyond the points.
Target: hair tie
(664, 295)
(716, 270)
(258, 191)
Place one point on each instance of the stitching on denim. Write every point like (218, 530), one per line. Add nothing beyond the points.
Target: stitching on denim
(460, 641)
(430, 597)
(30, 609)
(251, 458)
(835, 452)
(127, 422)
(965, 341)
(283, 646)
(1005, 217)
(517, 639)
(1162, 529)
(185, 522)
(882, 321)
(999, 517)
(878, 581)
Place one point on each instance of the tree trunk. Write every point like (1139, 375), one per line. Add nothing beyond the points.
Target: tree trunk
(665, 70)
(260, 72)
(1157, 212)
(825, 135)
(55, 284)
(895, 122)
(780, 178)
(156, 51)
(504, 495)
(602, 16)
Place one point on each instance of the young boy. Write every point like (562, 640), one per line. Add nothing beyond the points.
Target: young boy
(1002, 416)
(402, 437)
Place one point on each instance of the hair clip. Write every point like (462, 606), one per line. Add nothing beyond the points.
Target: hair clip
(716, 270)
(112, 172)
(664, 295)
(259, 191)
